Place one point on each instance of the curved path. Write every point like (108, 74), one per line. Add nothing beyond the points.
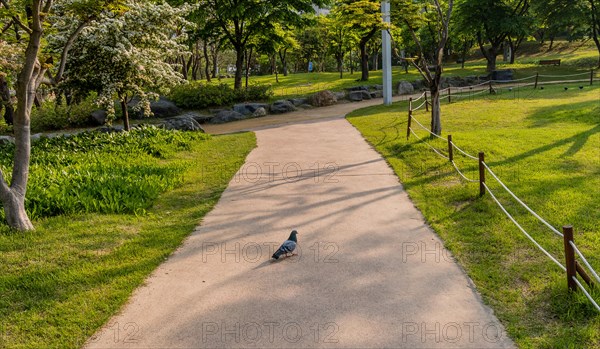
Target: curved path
(369, 272)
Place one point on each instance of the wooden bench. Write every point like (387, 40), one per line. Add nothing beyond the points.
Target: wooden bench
(550, 62)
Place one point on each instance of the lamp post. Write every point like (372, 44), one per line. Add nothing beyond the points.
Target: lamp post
(387, 54)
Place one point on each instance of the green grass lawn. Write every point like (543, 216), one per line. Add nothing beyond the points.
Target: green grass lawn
(576, 57)
(545, 145)
(63, 281)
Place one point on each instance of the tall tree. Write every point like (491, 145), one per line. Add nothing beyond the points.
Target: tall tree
(428, 15)
(29, 79)
(364, 18)
(492, 21)
(339, 37)
(242, 20)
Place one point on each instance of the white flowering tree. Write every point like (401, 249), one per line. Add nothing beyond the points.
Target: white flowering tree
(125, 55)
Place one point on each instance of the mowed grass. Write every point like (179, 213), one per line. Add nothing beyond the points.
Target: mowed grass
(545, 145)
(63, 281)
(576, 57)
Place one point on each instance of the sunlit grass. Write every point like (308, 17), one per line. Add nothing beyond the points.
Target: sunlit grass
(63, 281)
(545, 145)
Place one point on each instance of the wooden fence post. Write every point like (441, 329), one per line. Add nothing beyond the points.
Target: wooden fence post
(570, 257)
(409, 118)
(491, 89)
(426, 102)
(481, 174)
(450, 149)
(449, 96)
(537, 77)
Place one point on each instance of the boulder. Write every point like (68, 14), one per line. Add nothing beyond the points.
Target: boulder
(340, 95)
(355, 96)
(502, 75)
(377, 94)
(226, 116)
(323, 99)
(358, 88)
(35, 137)
(182, 123)
(164, 108)
(98, 117)
(366, 94)
(306, 106)
(6, 139)
(418, 85)
(298, 101)
(377, 87)
(200, 118)
(282, 106)
(405, 87)
(259, 113)
(249, 108)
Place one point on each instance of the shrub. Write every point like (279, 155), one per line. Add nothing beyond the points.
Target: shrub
(50, 116)
(197, 95)
(102, 172)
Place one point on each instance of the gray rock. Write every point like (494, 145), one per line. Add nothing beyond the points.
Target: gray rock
(377, 87)
(405, 87)
(366, 94)
(306, 106)
(35, 137)
(355, 96)
(200, 118)
(502, 75)
(182, 123)
(164, 108)
(298, 101)
(226, 116)
(6, 140)
(98, 117)
(358, 88)
(340, 95)
(418, 85)
(216, 111)
(282, 106)
(323, 99)
(249, 108)
(259, 113)
(377, 94)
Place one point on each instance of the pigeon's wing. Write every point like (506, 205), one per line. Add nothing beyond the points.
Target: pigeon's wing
(288, 246)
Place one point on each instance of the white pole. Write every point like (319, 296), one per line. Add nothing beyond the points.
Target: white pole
(387, 55)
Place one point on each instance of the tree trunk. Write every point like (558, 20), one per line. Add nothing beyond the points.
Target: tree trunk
(125, 113)
(595, 27)
(491, 59)
(215, 60)
(207, 61)
(28, 81)
(248, 59)
(239, 67)
(284, 64)
(340, 66)
(14, 209)
(6, 101)
(436, 120)
(364, 62)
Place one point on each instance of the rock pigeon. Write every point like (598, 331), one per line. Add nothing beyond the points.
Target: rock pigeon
(288, 246)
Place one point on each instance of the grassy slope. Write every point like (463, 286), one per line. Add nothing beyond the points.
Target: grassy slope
(545, 145)
(576, 57)
(65, 280)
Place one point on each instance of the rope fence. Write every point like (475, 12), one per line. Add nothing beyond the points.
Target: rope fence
(572, 267)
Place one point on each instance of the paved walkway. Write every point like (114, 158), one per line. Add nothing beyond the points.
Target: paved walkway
(370, 273)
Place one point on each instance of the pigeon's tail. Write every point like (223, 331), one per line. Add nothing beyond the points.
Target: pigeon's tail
(277, 254)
